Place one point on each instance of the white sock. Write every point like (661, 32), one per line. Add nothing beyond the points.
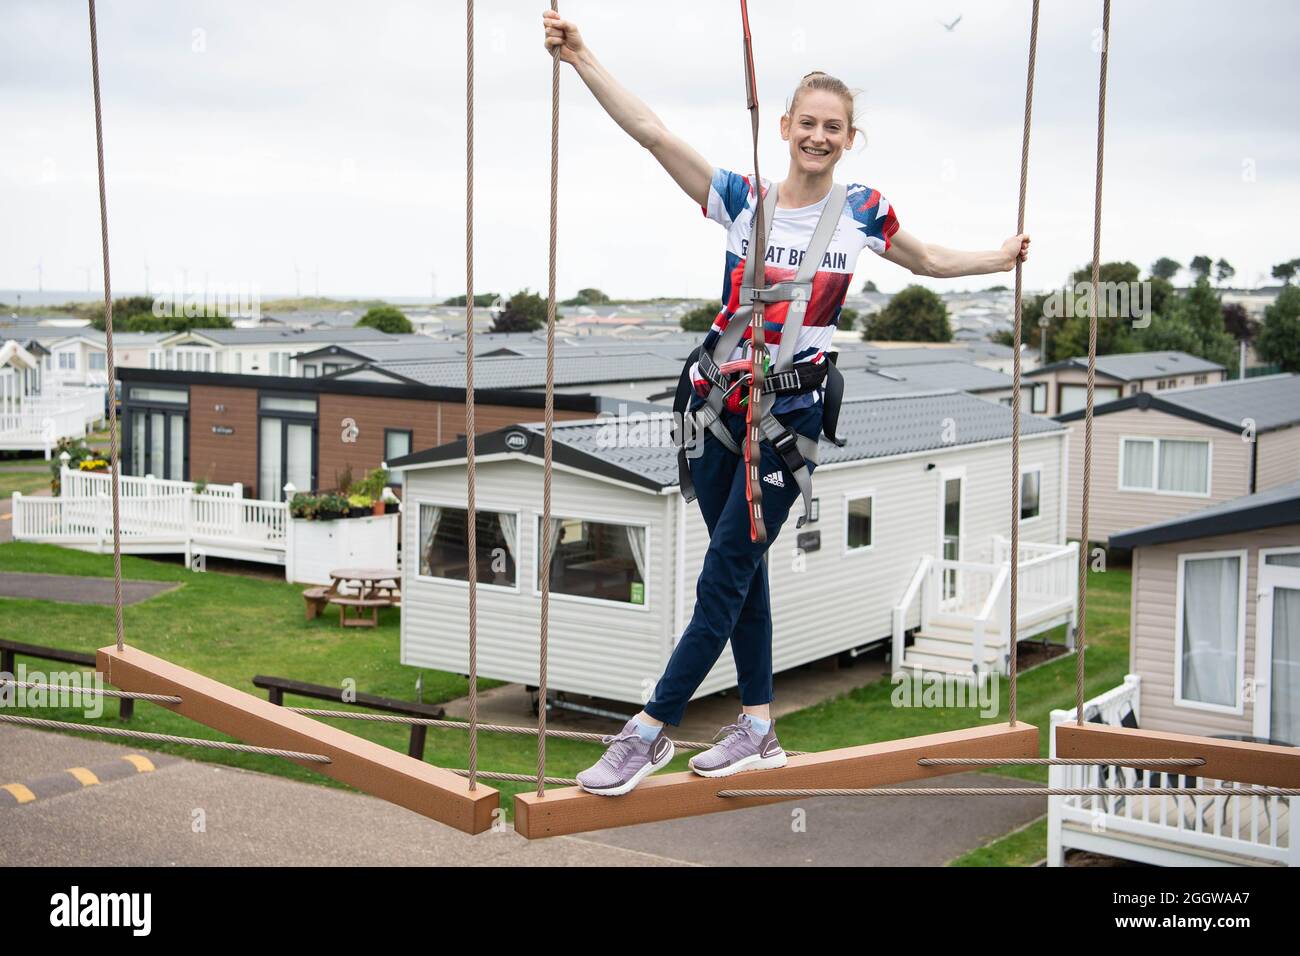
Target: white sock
(760, 725)
(647, 732)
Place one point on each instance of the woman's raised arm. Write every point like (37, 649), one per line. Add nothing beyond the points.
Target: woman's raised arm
(927, 259)
(688, 168)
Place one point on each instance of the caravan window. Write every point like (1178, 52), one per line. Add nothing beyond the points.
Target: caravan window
(1211, 629)
(444, 551)
(1031, 484)
(858, 522)
(597, 560)
(1173, 466)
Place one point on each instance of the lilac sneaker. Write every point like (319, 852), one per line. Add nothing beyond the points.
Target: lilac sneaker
(627, 762)
(741, 748)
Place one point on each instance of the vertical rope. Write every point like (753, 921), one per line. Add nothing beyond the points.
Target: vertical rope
(547, 547)
(1082, 629)
(757, 334)
(1015, 388)
(471, 515)
(114, 461)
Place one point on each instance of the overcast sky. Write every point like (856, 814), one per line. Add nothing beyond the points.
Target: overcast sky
(246, 138)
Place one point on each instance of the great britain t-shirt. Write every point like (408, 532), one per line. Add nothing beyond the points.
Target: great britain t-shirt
(867, 221)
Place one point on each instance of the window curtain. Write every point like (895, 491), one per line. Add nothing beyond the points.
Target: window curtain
(509, 525)
(636, 541)
(430, 517)
(1210, 615)
(1284, 721)
(1139, 457)
(1184, 466)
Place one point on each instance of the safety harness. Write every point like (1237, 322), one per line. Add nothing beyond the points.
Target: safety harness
(786, 378)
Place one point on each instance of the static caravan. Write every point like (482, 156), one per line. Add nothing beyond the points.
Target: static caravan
(912, 514)
(1214, 650)
(1162, 455)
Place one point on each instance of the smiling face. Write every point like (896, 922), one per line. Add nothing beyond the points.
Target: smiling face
(818, 129)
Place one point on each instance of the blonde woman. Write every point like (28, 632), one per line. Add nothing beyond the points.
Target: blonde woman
(732, 594)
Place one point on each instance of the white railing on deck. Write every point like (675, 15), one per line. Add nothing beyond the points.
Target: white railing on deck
(1260, 828)
(78, 483)
(913, 593)
(168, 513)
(976, 596)
(40, 426)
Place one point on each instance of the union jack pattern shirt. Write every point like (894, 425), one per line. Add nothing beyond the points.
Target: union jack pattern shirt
(866, 221)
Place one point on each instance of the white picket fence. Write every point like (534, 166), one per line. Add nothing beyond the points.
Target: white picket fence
(38, 425)
(1167, 831)
(155, 516)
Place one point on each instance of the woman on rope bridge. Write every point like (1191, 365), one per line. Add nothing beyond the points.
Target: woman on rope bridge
(732, 601)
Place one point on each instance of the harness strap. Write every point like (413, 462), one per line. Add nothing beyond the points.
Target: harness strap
(800, 289)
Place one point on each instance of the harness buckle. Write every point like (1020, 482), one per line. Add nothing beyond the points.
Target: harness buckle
(787, 291)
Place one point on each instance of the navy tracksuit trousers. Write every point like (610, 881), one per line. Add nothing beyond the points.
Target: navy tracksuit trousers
(731, 595)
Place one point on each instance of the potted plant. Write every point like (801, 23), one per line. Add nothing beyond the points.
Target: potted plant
(360, 505)
(304, 505)
(332, 507)
(373, 486)
(93, 464)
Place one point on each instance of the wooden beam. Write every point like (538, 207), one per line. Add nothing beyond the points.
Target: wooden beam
(1270, 765)
(428, 790)
(674, 795)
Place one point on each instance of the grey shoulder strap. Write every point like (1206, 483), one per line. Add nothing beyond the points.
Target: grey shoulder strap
(812, 259)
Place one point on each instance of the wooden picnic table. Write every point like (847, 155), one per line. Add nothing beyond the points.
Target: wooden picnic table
(378, 582)
(375, 588)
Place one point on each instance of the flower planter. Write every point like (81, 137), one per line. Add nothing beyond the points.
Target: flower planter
(317, 547)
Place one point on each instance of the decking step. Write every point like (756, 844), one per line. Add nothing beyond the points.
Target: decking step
(933, 662)
(957, 650)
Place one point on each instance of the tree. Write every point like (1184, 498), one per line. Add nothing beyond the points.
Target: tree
(1191, 323)
(1114, 332)
(1286, 271)
(869, 286)
(1279, 336)
(1201, 265)
(848, 318)
(1236, 322)
(1162, 292)
(525, 312)
(588, 297)
(1223, 271)
(135, 314)
(1165, 268)
(385, 318)
(699, 320)
(916, 314)
(1109, 272)
(481, 300)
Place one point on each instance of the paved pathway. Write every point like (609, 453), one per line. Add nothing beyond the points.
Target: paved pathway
(73, 589)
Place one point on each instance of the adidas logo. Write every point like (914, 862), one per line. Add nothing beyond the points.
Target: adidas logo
(775, 478)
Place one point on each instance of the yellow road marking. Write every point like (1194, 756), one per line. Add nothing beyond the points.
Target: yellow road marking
(21, 793)
(84, 776)
(142, 764)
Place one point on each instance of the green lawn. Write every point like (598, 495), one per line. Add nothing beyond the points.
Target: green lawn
(27, 482)
(231, 628)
